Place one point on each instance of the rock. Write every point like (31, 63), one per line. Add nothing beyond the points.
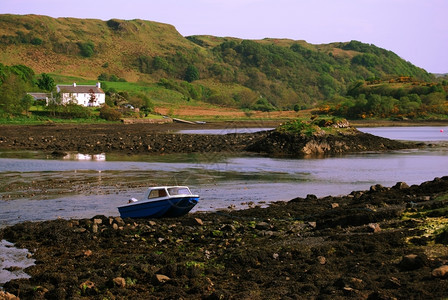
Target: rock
(311, 197)
(374, 227)
(321, 260)
(377, 188)
(334, 205)
(119, 221)
(229, 228)
(79, 230)
(393, 282)
(440, 271)
(88, 253)
(97, 221)
(8, 296)
(312, 224)
(152, 223)
(198, 221)
(87, 285)
(401, 185)
(357, 194)
(95, 228)
(193, 222)
(357, 283)
(411, 262)
(119, 281)
(159, 278)
(262, 226)
(115, 226)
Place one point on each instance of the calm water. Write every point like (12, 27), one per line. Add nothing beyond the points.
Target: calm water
(426, 134)
(220, 180)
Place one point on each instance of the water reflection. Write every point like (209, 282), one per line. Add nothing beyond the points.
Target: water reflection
(81, 156)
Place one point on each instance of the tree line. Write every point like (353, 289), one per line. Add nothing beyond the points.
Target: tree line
(278, 77)
(390, 100)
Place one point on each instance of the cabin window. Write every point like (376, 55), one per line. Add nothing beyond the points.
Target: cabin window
(157, 193)
(179, 191)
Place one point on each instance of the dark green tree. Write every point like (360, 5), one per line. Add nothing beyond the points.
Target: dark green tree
(11, 91)
(26, 102)
(191, 74)
(46, 83)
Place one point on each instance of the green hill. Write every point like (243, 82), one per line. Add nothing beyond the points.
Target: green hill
(254, 74)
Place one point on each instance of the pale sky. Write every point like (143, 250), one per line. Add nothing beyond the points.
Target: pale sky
(416, 30)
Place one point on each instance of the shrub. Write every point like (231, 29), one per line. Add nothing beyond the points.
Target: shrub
(87, 49)
(76, 111)
(109, 114)
(36, 41)
(191, 74)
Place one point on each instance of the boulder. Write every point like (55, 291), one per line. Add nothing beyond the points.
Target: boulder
(401, 185)
(440, 271)
(119, 281)
(412, 262)
(8, 296)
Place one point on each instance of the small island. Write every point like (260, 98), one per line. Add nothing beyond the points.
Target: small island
(321, 136)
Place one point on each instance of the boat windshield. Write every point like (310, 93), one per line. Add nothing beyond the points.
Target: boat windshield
(179, 191)
(157, 193)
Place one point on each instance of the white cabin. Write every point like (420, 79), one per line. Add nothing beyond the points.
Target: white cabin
(85, 95)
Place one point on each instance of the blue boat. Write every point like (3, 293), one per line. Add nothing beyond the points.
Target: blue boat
(160, 202)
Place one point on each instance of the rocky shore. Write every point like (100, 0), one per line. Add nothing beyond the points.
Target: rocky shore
(383, 243)
(164, 139)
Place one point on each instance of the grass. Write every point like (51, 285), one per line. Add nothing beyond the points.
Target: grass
(311, 127)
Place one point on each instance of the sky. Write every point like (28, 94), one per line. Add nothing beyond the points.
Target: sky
(416, 30)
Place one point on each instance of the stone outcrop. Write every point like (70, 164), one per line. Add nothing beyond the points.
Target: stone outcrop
(277, 143)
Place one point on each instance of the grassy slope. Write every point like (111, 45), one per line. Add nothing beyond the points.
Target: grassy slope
(118, 44)
(118, 48)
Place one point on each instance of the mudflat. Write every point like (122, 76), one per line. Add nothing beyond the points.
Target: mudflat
(383, 243)
(164, 138)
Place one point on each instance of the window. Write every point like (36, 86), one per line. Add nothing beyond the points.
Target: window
(179, 191)
(157, 193)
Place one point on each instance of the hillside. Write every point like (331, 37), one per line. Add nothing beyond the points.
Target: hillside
(263, 75)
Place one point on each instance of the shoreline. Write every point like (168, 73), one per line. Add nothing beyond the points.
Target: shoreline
(368, 244)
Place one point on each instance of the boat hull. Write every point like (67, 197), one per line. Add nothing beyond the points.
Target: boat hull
(164, 208)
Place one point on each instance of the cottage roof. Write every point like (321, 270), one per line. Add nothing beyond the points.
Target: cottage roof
(39, 96)
(80, 89)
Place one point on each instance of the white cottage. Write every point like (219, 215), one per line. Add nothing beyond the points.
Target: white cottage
(85, 95)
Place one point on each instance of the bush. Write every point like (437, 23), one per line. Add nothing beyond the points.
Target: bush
(87, 49)
(76, 111)
(191, 74)
(109, 114)
(36, 41)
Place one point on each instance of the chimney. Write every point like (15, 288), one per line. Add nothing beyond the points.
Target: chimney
(74, 84)
(98, 85)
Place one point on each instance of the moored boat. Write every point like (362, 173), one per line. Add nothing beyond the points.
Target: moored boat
(160, 202)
